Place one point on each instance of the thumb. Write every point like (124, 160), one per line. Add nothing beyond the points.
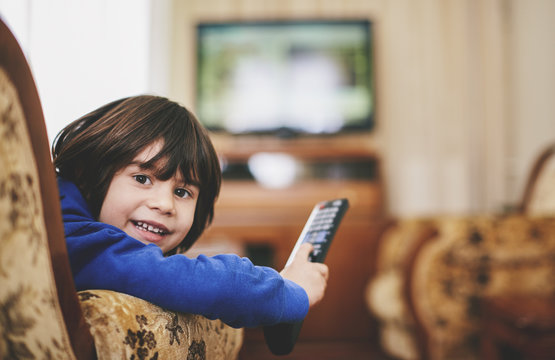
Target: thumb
(304, 250)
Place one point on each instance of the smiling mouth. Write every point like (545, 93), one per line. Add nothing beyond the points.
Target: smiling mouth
(142, 226)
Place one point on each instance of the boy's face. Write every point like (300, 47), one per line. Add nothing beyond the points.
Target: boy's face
(148, 209)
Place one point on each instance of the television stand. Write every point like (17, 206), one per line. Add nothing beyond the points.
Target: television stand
(266, 222)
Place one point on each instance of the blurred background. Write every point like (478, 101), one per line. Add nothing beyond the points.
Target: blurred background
(464, 89)
(461, 94)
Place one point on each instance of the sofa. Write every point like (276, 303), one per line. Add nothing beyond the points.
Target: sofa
(41, 313)
(437, 277)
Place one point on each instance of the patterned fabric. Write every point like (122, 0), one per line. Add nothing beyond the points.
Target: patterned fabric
(31, 323)
(471, 257)
(135, 329)
(384, 291)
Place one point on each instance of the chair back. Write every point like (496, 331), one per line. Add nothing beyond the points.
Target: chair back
(41, 315)
(539, 193)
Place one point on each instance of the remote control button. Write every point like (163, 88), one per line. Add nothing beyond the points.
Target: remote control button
(321, 237)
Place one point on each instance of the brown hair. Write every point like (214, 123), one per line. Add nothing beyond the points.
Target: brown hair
(90, 150)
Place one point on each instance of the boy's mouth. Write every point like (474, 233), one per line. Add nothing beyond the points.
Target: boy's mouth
(143, 226)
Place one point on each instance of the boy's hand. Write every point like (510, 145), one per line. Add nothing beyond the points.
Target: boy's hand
(312, 277)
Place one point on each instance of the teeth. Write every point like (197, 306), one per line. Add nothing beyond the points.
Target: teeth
(147, 227)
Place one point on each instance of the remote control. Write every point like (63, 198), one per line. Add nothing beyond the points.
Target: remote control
(319, 230)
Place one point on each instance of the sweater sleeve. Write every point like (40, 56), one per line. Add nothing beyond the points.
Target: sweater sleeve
(224, 287)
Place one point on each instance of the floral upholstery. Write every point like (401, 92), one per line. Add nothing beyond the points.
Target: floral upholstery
(135, 329)
(384, 292)
(473, 258)
(438, 293)
(31, 322)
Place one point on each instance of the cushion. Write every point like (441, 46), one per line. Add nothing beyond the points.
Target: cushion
(475, 257)
(384, 293)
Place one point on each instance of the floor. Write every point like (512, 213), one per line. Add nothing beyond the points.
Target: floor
(351, 350)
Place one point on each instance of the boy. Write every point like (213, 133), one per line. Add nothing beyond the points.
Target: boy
(138, 178)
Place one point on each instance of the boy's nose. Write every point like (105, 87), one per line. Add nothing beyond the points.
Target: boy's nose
(163, 201)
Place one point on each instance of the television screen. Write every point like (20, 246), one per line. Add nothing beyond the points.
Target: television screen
(295, 77)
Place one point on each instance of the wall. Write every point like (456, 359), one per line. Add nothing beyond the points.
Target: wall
(465, 90)
(83, 53)
(531, 105)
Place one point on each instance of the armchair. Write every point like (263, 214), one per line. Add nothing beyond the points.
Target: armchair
(435, 277)
(41, 314)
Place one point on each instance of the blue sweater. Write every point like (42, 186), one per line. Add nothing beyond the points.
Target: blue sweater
(224, 287)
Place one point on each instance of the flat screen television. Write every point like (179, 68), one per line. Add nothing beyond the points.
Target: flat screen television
(285, 77)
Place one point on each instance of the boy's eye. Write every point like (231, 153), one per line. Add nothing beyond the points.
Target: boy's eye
(182, 193)
(143, 179)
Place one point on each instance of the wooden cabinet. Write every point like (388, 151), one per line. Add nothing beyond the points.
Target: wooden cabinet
(270, 220)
